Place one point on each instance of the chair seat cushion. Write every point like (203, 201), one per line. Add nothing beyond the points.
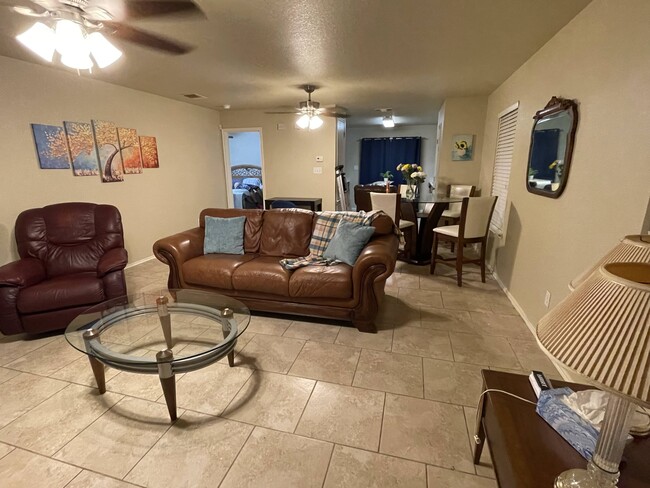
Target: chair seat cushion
(451, 214)
(65, 291)
(449, 230)
(403, 224)
(262, 274)
(322, 282)
(214, 270)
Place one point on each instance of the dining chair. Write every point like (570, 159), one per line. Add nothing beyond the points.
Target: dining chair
(390, 204)
(452, 214)
(475, 216)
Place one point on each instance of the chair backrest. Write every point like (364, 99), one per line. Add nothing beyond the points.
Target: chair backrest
(475, 216)
(403, 189)
(69, 237)
(459, 191)
(387, 203)
(362, 195)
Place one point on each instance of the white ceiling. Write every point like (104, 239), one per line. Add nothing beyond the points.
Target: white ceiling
(405, 54)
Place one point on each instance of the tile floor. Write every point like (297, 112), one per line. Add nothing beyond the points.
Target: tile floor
(307, 404)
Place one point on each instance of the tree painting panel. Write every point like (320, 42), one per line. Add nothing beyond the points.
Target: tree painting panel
(51, 146)
(149, 151)
(130, 149)
(82, 148)
(108, 151)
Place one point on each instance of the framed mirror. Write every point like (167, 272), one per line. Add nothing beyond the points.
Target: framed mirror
(551, 147)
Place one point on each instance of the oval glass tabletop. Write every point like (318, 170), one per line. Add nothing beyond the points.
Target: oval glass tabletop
(133, 330)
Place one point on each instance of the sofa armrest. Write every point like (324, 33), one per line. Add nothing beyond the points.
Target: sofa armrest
(114, 260)
(175, 250)
(24, 272)
(380, 250)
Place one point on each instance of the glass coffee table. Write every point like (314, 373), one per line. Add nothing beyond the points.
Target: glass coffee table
(174, 331)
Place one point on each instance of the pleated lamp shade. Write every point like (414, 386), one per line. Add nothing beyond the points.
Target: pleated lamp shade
(631, 249)
(602, 330)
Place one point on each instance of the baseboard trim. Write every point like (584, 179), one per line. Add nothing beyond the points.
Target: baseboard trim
(140, 261)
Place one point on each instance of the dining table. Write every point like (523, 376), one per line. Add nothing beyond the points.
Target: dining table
(425, 211)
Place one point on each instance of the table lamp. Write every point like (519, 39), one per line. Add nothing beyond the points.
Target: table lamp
(601, 331)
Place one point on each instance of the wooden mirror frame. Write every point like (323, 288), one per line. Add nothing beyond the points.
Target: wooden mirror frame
(554, 106)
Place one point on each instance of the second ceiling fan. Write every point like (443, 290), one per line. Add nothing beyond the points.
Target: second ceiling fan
(310, 111)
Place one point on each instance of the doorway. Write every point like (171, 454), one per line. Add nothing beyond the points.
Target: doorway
(244, 166)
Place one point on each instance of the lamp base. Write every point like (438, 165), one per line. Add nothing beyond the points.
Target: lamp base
(592, 477)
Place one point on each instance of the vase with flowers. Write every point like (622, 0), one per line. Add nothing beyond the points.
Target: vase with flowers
(413, 175)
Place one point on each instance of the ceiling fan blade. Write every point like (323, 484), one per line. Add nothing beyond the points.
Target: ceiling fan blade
(25, 7)
(146, 39)
(140, 9)
(294, 113)
(333, 113)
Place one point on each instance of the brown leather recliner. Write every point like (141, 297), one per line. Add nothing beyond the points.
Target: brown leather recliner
(72, 257)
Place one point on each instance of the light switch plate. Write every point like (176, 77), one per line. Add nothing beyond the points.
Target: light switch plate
(318, 170)
(319, 159)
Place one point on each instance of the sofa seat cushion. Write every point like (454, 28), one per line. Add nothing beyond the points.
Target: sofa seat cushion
(322, 282)
(262, 274)
(66, 291)
(214, 270)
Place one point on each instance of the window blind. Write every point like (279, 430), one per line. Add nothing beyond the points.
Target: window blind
(502, 164)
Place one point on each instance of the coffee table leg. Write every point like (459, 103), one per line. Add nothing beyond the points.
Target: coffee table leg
(98, 371)
(165, 320)
(226, 315)
(167, 380)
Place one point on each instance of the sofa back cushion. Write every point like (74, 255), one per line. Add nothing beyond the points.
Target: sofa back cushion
(252, 227)
(286, 233)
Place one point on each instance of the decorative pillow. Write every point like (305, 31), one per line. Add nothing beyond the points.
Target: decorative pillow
(348, 242)
(224, 236)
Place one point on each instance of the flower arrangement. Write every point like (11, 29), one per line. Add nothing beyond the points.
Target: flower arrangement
(413, 175)
(387, 175)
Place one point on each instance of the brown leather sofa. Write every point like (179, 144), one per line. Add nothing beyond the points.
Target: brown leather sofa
(72, 256)
(256, 278)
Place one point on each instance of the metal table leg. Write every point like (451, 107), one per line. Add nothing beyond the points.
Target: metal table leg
(167, 380)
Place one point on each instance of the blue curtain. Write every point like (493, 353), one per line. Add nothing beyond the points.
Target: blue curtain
(382, 154)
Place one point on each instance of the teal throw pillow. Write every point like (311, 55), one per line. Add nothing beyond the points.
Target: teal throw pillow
(224, 236)
(348, 242)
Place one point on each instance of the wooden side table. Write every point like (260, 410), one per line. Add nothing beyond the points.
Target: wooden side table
(526, 451)
(313, 204)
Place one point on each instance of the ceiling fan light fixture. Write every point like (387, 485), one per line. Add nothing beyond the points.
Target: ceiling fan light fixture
(102, 50)
(315, 122)
(40, 39)
(77, 60)
(303, 121)
(388, 122)
(70, 38)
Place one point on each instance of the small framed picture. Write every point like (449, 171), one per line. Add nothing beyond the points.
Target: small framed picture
(462, 147)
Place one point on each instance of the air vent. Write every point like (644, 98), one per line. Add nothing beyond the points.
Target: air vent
(194, 96)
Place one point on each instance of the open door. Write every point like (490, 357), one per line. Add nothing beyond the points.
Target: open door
(244, 166)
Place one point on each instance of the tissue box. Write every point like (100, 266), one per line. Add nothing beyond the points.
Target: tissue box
(573, 428)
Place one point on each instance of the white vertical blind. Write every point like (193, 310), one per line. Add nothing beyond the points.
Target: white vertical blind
(502, 164)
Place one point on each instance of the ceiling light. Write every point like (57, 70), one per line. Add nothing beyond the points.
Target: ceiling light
(77, 60)
(40, 39)
(388, 122)
(103, 51)
(70, 37)
(303, 121)
(315, 122)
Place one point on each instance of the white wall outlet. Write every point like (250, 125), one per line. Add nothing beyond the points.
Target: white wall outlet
(318, 170)
(547, 299)
(319, 159)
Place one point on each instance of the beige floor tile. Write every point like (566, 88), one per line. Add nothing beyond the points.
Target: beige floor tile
(271, 353)
(483, 350)
(326, 362)
(404, 280)
(312, 331)
(182, 335)
(195, 452)
(446, 381)
(5, 449)
(49, 426)
(127, 432)
(394, 313)
(267, 325)
(13, 347)
(22, 469)
(354, 468)
(418, 341)
(47, 359)
(484, 468)
(88, 479)
(272, 459)
(501, 325)
(426, 431)
(7, 374)
(436, 283)
(23, 392)
(80, 372)
(387, 371)
(271, 400)
(439, 477)
(211, 389)
(145, 386)
(532, 358)
(443, 319)
(426, 298)
(345, 415)
(465, 301)
(381, 340)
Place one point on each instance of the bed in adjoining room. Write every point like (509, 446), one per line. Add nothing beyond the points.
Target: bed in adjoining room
(247, 186)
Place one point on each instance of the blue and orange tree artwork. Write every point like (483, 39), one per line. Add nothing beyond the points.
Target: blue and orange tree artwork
(108, 151)
(52, 146)
(82, 148)
(130, 150)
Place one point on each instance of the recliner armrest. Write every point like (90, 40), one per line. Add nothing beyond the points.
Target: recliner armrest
(24, 272)
(114, 260)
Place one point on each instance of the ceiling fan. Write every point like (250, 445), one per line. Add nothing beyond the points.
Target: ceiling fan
(310, 111)
(76, 28)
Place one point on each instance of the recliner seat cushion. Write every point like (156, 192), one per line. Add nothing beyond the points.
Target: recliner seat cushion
(262, 274)
(322, 282)
(61, 292)
(214, 270)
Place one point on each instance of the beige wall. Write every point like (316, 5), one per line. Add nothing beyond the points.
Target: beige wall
(290, 154)
(155, 204)
(460, 115)
(599, 59)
